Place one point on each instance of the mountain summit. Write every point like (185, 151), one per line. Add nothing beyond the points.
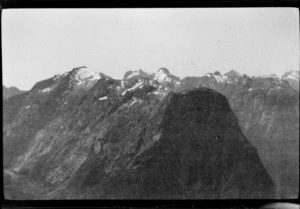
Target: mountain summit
(292, 77)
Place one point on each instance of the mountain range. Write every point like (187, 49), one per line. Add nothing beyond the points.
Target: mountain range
(85, 135)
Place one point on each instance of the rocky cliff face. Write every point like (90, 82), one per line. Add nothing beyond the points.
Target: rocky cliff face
(86, 135)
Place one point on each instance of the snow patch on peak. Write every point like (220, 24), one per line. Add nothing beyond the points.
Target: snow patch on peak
(162, 75)
(138, 85)
(46, 89)
(165, 78)
(103, 98)
(294, 75)
(133, 102)
(65, 74)
(85, 73)
(291, 77)
(219, 77)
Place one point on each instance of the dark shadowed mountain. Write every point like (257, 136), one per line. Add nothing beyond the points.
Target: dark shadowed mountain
(267, 109)
(84, 135)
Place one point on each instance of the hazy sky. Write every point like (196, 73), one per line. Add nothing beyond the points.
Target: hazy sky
(39, 43)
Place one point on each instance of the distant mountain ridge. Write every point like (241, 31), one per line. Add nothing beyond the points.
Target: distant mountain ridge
(11, 91)
(81, 129)
(292, 77)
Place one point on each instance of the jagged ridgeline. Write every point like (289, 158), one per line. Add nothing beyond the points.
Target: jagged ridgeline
(85, 135)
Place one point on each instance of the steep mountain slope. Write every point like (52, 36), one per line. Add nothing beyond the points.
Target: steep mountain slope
(267, 109)
(11, 91)
(89, 136)
(27, 113)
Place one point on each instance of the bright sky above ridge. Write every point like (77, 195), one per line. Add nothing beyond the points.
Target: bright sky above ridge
(39, 43)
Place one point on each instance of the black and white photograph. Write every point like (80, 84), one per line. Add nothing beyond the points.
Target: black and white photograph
(150, 103)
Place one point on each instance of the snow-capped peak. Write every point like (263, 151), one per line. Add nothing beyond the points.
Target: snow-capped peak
(293, 75)
(163, 75)
(84, 74)
(220, 78)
